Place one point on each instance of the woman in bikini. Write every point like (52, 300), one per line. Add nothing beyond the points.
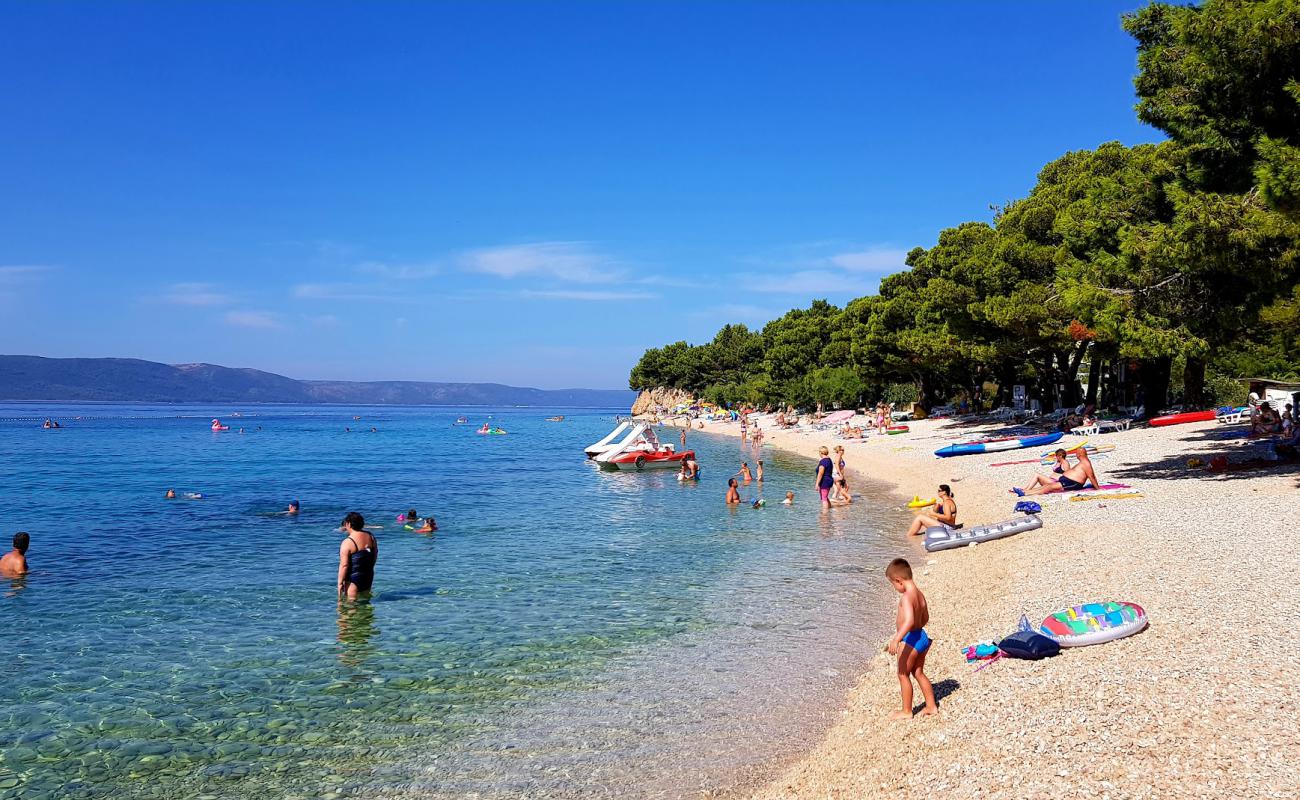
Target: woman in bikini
(944, 513)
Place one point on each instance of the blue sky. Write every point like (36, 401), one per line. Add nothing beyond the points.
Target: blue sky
(529, 193)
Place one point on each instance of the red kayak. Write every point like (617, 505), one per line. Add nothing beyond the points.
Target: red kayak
(1188, 416)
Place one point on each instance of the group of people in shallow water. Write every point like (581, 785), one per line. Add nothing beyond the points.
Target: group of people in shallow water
(357, 553)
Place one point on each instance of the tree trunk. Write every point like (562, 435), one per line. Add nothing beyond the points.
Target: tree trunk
(1194, 382)
(1155, 384)
(1094, 379)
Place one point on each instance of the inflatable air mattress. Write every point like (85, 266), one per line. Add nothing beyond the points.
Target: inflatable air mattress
(943, 537)
(1094, 623)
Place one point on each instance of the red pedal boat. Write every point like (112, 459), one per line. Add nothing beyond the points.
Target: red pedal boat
(636, 460)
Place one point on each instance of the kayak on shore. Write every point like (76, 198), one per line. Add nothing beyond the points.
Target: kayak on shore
(994, 445)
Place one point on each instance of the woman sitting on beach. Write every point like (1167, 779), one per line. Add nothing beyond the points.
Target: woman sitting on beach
(1064, 478)
(944, 513)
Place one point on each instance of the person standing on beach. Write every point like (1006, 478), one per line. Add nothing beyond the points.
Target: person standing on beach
(14, 563)
(825, 481)
(910, 642)
(357, 556)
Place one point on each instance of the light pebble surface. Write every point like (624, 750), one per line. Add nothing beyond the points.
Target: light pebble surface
(1204, 703)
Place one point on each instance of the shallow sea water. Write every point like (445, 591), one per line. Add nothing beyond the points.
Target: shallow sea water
(566, 633)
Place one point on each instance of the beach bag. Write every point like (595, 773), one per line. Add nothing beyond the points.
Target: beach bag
(1029, 645)
(1028, 506)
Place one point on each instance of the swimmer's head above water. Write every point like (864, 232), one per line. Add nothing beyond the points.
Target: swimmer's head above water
(171, 494)
(293, 507)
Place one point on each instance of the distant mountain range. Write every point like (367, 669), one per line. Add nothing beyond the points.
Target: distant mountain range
(131, 379)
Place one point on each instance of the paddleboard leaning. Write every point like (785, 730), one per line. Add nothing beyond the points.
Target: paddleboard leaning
(942, 537)
(1093, 623)
(994, 445)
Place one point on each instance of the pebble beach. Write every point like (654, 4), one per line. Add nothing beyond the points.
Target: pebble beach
(1203, 703)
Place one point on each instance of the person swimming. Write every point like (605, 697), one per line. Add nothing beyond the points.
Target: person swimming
(789, 499)
(357, 556)
(430, 526)
(293, 508)
(171, 494)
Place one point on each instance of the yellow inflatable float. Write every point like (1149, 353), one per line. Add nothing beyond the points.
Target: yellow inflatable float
(917, 502)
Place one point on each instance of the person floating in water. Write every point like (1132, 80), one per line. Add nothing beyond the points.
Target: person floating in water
(430, 526)
(171, 494)
(14, 563)
(294, 508)
(944, 513)
(409, 516)
(1064, 478)
(357, 556)
(733, 494)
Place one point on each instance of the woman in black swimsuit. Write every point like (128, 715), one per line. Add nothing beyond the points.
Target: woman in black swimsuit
(357, 557)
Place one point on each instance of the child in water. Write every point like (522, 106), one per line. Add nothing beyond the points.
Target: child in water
(429, 526)
(910, 642)
(789, 499)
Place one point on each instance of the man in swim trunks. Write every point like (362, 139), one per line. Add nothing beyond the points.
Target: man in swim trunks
(14, 563)
(910, 642)
(1064, 478)
(357, 556)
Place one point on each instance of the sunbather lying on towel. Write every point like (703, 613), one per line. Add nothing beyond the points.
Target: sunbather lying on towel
(1064, 478)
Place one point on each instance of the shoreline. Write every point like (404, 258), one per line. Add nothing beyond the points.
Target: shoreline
(1200, 704)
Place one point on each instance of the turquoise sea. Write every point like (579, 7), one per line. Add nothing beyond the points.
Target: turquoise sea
(566, 633)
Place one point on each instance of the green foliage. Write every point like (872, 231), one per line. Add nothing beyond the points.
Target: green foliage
(1222, 390)
(1186, 251)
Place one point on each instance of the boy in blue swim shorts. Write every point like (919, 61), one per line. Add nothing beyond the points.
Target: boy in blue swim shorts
(910, 642)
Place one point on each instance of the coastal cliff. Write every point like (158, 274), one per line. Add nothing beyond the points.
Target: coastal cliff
(658, 400)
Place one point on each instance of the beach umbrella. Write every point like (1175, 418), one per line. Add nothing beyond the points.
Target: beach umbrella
(839, 416)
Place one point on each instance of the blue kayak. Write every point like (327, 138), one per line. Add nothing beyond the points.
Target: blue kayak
(994, 445)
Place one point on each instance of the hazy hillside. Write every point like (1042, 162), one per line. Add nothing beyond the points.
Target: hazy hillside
(130, 379)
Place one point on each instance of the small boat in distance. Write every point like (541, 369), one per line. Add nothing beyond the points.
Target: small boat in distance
(462, 420)
(560, 418)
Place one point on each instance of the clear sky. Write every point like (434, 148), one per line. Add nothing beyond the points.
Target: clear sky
(529, 193)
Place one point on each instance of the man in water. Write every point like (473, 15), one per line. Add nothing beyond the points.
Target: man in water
(733, 494)
(171, 494)
(14, 563)
(293, 508)
(1064, 478)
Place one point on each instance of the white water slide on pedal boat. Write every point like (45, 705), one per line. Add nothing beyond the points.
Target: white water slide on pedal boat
(606, 443)
(639, 436)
